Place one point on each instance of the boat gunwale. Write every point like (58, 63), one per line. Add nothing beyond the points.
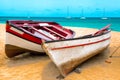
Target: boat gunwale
(25, 38)
(81, 37)
(24, 32)
(12, 25)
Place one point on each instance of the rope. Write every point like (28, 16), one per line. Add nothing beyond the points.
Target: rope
(114, 52)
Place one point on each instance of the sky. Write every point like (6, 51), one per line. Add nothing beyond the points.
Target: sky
(60, 8)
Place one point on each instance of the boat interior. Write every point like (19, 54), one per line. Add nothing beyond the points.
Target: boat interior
(51, 30)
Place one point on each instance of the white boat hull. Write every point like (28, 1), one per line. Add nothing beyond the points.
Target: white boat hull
(27, 35)
(70, 53)
(15, 45)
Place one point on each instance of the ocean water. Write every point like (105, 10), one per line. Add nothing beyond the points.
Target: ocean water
(73, 22)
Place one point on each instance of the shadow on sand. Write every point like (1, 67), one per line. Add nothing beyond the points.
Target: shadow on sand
(26, 58)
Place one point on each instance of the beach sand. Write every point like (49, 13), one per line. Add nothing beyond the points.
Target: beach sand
(40, 67)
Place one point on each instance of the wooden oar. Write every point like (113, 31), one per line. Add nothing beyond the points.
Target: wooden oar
(102, 30)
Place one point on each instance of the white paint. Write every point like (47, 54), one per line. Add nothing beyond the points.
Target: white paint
(16, 30)
(44, 37)
(44, 24)
(62, 56)
(19, 42)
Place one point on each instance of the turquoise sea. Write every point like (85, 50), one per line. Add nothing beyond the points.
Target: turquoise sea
(73, 22)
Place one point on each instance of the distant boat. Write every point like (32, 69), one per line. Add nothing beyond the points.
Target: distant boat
(104, 18)
(83, 18)
(68, 13)
(68, 54)
(82, 15)
(26, 36)
(104, 15)
(28, 17)
(68, 17)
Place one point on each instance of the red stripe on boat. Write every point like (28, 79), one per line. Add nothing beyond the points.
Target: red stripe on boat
(24, 36)
(79, 44)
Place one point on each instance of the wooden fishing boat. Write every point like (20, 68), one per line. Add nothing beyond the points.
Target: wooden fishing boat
(69, 53)
(26, 36)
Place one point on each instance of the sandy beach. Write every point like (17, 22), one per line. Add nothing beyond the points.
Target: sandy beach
(40, 67)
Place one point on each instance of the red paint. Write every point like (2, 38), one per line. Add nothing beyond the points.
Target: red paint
(42, 33)
(24, 36)
(56, 27)
(102, 30)
(54, 32)
(80, 44)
